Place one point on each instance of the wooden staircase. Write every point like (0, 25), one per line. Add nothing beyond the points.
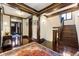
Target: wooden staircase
(69, 36)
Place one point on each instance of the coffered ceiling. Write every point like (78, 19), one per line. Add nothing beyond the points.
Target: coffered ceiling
(38, 6)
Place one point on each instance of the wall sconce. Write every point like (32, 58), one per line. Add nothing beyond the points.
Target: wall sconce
(5, 23)
(20, 13)
(43, 21)
(78, 14)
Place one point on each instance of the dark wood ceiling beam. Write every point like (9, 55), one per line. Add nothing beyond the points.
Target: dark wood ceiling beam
(49, 7)
(23, 8)
(28, 7)
(53, 7)
(30, 10)
(65, 11)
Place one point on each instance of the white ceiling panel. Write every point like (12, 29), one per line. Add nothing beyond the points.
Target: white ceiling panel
(15, 12)
(38, 6)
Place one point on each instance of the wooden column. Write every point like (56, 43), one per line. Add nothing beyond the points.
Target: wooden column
(55, 38)
(38, 30)
(30, 29)
(0, 26)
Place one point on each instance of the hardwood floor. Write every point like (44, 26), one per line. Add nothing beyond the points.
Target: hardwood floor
(68, 45)
(62, 49)
(66, 50)
(25, 41)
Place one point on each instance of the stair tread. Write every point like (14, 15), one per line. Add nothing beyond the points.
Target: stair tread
(69, 36)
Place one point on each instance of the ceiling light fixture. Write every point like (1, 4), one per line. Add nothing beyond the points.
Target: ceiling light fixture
(20, 13)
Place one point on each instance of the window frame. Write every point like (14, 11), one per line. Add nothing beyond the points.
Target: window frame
(66, 16)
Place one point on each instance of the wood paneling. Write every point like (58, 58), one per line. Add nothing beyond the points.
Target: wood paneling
(54, 42)
(0, 26)
(25, 37)
(30, 28)
(38, 29)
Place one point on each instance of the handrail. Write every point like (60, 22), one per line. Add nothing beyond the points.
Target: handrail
(60, 31)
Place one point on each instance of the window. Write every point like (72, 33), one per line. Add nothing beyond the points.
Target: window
(63, 16)
(66, 16)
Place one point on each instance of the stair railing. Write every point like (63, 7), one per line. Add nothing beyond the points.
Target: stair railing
(60, 31)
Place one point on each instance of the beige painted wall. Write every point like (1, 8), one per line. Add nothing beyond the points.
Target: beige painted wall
(71, 21)
(76, 15)
(15, 19)
(6, 24)
(46, 29)
(43, 21)
(34, 26)
(25, 27)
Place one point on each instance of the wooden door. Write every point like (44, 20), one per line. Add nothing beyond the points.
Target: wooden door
(54, 41)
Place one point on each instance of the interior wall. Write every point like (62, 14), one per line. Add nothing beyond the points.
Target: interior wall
(46, 30)
(76, 15)
(71, 21)
(16, 19)
(43, 21)
(34, 26)
(6, 24)
(25, 27)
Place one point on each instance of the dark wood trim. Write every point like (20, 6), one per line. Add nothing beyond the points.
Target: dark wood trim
(0, 26)
(10, 25)
(22, 7)
(14, 16)
(21, 32)
(28, 6)
(56, 27)
(30, 28)
(65, 11)
(76, 35)
(54, 6)
(30, 10)
(55, 40)
(38, 29)
(25, 36)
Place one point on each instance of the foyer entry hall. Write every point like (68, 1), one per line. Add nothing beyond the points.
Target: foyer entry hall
(53, 27)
